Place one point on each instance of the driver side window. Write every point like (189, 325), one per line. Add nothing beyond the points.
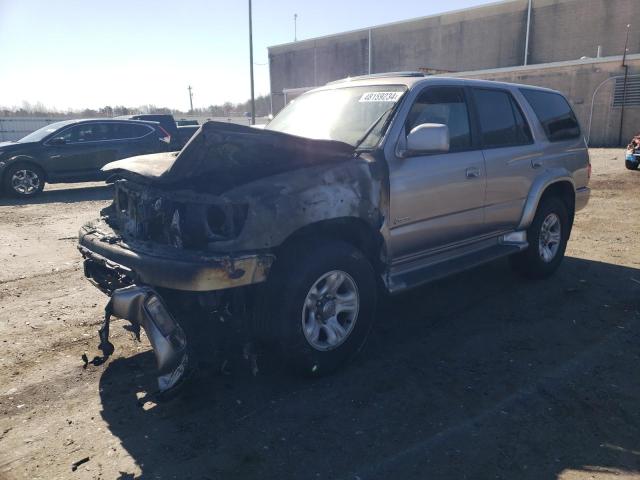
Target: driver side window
(447, 106)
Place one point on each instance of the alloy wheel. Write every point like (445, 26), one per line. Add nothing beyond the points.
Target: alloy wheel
(25, 182)
(330, 310)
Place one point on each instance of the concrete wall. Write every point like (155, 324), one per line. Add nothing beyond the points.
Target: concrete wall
(486, 37)
(578, 80)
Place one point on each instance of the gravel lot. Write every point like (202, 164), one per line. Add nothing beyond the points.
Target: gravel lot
(482, 375)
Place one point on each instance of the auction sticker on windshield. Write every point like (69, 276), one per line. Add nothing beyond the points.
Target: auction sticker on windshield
(380, 96)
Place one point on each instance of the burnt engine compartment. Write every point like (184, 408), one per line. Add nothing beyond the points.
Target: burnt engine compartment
(181, 219)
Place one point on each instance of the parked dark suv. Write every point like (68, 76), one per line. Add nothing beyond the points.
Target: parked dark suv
(74, 151)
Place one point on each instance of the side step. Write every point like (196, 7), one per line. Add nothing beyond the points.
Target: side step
(415, 274)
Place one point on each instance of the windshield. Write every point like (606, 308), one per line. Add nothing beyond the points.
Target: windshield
(344, 114)
(43, 132)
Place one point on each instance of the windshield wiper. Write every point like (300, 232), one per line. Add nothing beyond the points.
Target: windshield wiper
(373, 125)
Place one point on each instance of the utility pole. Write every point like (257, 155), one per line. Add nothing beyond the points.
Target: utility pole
(624, 84)
(190, 98)
(253, 100)
(295, 27)
(526, 39)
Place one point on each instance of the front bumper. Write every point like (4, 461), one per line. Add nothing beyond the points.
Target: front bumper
(111, 263)
(144, 308)
(582, 197)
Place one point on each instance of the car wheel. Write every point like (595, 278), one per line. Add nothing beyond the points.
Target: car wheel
(631, 165)
(548, 236)
(323, 300)
(23, 180)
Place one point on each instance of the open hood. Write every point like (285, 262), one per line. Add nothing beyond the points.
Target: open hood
(227, 155)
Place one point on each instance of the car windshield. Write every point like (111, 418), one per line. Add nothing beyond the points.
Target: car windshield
(345, 114)
(43, 132)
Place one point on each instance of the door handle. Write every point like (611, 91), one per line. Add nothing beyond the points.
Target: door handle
(472, 172)
(536, 163)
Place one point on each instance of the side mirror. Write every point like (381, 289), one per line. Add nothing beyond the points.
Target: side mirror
(428, 138)
(57, 141)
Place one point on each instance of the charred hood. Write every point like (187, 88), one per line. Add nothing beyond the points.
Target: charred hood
(224, 155)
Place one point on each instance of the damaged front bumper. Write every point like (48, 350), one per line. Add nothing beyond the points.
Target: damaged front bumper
(111, 263)
(143, 307)
(130, 273)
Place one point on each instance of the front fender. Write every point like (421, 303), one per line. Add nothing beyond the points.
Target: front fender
(281, 205)
(544, 181)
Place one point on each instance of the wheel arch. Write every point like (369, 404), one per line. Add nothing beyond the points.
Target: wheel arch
(561, 186)
(22, 160)
(352, 230)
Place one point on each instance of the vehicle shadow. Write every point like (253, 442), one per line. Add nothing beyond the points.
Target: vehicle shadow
(481, 375)
(67, 195)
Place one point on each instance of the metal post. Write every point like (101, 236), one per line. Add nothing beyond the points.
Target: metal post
(624, 84)
(253, 100)
(295, 27)
(370, 51)
(526, 40)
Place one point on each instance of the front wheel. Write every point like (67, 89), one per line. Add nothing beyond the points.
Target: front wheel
(323, 301)
(631, 165)
(548, 236)
(23, 180)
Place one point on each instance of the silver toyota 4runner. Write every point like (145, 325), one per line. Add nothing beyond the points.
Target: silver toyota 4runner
(383, 182)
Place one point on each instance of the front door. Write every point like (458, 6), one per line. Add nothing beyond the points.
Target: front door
(437, 200)
(87, 148)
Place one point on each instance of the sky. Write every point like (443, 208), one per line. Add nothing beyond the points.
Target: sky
(91, 53)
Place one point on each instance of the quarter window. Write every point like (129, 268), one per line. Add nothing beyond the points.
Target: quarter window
(556, 116)
(502, 123)
(447, 106)
(122, 131)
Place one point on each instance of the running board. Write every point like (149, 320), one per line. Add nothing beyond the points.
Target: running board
(414, 274)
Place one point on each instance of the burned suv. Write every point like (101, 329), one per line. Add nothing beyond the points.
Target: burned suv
(372, 183)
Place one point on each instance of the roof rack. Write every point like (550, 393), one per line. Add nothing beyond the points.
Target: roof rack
(379, 75)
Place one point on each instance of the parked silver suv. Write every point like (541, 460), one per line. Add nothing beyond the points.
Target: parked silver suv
(384, 181)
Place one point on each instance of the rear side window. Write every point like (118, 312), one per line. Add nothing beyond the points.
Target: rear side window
(502, 123)
(555, 114)
(447, 106)
(123, 131)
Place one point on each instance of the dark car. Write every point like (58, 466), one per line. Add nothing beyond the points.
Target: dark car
(74, 151)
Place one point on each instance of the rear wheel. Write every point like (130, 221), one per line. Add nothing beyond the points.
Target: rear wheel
(548, 236)
(631, 165)
(322, 301)
(23, 180)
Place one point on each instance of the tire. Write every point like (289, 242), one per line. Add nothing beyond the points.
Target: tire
(23, 180)
(631, 165)
(544, 255)
(318, 332)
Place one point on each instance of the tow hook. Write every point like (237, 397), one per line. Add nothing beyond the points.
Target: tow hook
(143, 307)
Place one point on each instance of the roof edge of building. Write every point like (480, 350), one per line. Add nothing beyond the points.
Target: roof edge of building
(390, 24)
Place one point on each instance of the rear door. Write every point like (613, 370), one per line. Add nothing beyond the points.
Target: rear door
(437, 199)
(131, 139)
(511, 157)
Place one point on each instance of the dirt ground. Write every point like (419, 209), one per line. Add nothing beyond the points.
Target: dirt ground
(482, 375)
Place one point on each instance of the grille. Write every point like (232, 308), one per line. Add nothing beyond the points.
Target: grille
(630, 98)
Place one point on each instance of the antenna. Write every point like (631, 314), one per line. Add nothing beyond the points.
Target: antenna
(190, 97)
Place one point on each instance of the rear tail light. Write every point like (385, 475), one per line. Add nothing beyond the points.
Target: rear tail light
(167, 136)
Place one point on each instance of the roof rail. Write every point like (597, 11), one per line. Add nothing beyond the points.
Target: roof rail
(379, 75)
